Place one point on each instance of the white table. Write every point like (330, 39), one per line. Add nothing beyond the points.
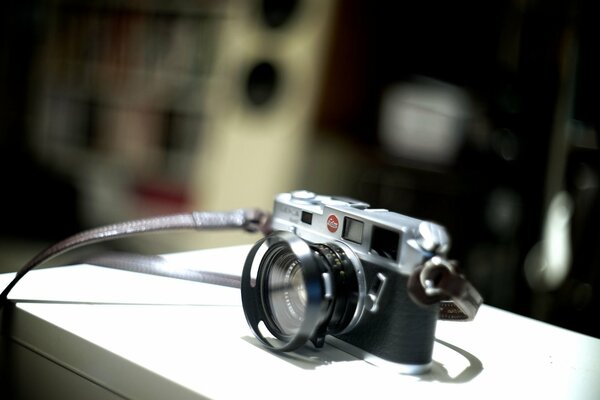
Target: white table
(92, 332)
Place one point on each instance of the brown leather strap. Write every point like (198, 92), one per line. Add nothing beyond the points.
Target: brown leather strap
(437, 281)
(251, 220)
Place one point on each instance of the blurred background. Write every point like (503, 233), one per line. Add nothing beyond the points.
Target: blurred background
(477, 115)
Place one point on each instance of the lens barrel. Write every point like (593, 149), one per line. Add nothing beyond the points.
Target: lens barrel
(300, 291)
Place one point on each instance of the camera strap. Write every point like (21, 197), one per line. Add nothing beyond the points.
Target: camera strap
(250, 220)
(438, 281)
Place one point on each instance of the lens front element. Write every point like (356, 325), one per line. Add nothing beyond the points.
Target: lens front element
(286, 292)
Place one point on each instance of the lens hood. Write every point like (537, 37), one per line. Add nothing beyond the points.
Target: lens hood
(255, 291)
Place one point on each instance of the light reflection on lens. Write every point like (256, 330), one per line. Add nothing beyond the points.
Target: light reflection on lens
(287, 293)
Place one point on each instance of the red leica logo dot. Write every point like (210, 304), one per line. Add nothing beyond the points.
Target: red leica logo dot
(332, 223)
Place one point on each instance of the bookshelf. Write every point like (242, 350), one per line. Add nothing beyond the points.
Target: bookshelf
(147, 106)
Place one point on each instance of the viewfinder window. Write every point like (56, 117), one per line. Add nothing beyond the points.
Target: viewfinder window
(385, 242)
(353, 230)
(306, 217)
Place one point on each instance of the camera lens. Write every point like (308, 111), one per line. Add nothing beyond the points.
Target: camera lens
(301, 290)
(286, 291)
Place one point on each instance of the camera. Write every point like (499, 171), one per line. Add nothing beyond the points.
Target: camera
(335, 269)
(369, 281)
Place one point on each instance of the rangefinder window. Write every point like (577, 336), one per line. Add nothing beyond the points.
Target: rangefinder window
(306, 217)
(385, 243)
(353, 230)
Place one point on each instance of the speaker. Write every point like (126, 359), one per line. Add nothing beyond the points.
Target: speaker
(261, 102)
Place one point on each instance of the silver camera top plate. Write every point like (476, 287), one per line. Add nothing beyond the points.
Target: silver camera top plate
(389, 239)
